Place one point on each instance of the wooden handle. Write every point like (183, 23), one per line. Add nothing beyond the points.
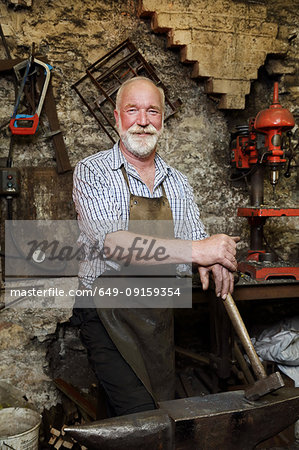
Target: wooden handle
(243, 335)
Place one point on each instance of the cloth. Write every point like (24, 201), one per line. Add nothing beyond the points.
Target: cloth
(102, 198)
(280, 343)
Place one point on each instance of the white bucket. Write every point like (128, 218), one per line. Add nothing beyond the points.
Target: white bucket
(19, 429)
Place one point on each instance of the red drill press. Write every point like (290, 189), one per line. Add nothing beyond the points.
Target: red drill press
(256, 146)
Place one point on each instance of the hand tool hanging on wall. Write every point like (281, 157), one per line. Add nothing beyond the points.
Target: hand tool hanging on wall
(26, 124)
(61, 156)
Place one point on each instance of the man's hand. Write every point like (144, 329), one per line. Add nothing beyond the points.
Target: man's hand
(223, 279)
(217, 249)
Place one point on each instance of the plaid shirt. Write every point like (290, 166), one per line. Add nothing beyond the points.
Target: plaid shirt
(101, 197)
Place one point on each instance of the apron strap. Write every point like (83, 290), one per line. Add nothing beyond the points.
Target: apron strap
(124, 172)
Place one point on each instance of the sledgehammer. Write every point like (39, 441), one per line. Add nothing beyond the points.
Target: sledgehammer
(264, 383)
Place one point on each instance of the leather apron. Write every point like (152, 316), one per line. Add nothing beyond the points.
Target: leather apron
(144, 336)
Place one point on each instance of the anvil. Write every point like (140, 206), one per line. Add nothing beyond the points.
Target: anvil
(226, 421)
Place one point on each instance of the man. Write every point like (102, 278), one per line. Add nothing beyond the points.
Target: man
(132, 351)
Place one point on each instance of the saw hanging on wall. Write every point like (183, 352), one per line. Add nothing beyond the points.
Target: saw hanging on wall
(29, 75)
(27, 124)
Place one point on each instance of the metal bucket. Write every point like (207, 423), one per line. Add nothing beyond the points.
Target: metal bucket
(19, 429)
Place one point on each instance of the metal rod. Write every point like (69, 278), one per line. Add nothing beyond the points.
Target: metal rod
(97, 84)
(93, 113)
(126, 44)
(244, 367)
(256, 233)
(275, 93)
(191, 354)
(257, 186)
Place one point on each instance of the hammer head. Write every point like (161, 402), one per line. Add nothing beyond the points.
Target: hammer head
(264, 386)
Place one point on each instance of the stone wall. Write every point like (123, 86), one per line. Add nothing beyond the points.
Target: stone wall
(226, 41)
(75, 34)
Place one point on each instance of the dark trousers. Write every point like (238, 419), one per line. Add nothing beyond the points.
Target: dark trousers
(125, 392)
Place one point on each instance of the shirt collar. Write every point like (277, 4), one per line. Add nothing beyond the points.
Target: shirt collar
(118, 158)
(161, 165)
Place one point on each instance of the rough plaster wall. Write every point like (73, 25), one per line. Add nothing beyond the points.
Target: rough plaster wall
(73, 35)
(24, 335)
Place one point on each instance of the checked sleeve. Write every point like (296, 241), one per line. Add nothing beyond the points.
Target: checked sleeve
(98, 211)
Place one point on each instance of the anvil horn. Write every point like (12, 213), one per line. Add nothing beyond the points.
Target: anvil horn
(145, 430)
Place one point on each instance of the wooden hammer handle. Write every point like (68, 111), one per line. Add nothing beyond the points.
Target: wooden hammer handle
(243, 335)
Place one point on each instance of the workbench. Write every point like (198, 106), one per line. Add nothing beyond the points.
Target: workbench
(249, 289)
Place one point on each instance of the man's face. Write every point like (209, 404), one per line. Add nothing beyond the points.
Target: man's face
(140, 118)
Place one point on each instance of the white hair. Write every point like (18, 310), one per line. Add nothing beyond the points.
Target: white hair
(133, 80)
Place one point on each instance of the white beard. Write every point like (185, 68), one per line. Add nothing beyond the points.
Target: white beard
(137, 145)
